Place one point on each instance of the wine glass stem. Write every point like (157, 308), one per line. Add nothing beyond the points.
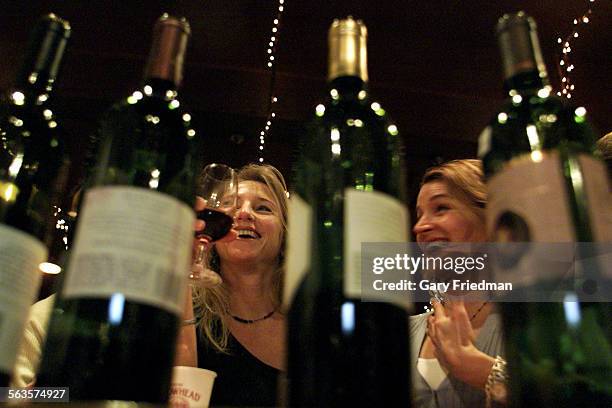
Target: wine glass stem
(201, 251)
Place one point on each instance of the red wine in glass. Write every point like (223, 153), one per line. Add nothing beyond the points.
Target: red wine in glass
(218, 188)
(218, 224)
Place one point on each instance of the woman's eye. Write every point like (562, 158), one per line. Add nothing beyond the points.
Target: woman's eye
(227, 203)
(264, 208)
(442, 208)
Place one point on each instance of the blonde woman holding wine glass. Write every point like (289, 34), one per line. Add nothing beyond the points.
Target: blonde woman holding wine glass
(215, 205)
(238, 328)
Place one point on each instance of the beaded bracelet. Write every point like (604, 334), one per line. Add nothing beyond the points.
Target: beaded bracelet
(496, 385)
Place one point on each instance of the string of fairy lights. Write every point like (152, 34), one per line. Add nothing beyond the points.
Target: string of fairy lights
(565, 65)
(271, 65)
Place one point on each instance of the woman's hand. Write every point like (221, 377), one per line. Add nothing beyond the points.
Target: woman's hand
(452, 334)
(186, 345)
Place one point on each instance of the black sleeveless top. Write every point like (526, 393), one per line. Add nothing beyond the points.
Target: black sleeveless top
(242, 379)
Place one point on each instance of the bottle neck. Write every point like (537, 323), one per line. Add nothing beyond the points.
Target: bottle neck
(525, 82)
(347, 49)
(35, 84)
(524, 67)
(348, 87)
(167, 54)
(160, 88)
(44, 56)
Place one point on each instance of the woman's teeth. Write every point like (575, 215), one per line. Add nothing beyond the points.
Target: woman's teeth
(247, 234)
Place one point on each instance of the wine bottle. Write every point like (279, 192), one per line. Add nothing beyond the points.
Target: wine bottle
(113, 330)
(546, 186)
(33, 169)
(343, 351)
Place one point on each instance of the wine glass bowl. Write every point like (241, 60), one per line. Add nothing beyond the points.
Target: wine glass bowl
(219, 189)
(218, 186)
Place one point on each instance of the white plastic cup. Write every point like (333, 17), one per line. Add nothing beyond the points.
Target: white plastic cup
(191, 387)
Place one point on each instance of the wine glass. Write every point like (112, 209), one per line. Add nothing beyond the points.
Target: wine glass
(219, 189)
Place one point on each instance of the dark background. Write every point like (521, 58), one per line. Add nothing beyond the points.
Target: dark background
(433, 64)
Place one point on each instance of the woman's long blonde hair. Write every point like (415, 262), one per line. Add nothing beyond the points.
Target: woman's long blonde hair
(211, 305)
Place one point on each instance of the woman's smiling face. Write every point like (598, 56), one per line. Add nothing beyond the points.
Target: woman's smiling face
(442, 216)
(258, 223)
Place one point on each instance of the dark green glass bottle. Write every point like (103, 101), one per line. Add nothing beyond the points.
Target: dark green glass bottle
(33, 175)
(113, 330)
(546, 186)
(343, 351)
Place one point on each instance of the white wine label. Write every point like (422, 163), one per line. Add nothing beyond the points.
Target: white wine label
(369, 217)
(528, 203)
(299, 235)
(20, 255)
(135, 242)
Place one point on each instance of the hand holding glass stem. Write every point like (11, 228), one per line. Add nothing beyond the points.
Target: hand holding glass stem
(215, 206)
(199, 274)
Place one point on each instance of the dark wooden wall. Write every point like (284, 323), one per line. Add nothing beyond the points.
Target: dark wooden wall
(433, 64)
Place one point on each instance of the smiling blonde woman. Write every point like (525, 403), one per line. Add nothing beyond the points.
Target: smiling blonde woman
(240, 330)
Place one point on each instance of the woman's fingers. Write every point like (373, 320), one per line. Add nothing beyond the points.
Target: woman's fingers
(200, 203)
(450, 327)
(438, 309)
(199, 225)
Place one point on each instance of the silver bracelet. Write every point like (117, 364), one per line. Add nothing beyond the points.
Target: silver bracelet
(189, 321)
(496, 385)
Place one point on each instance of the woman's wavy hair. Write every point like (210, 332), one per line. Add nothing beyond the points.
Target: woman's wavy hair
(466, 178)
(211, 305)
